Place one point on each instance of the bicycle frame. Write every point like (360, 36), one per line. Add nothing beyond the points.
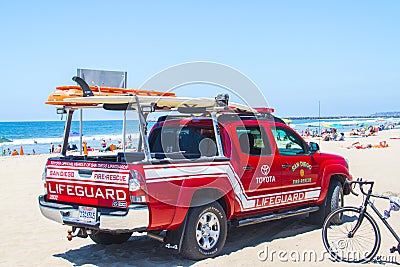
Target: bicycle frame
(384, 220)
(363, 210)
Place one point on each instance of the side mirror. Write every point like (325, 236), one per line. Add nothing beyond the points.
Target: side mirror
(314, 147)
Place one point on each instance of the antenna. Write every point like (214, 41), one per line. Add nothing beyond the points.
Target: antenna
(319, 120)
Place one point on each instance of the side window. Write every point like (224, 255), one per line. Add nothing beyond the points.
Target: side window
(196, 140)
(253, 140)
(288, 142)
(190, 142)
(163, 140)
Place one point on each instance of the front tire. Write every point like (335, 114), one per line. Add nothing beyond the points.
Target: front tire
(205, 232)
(334, 199)
(109, 238)
(342, 245)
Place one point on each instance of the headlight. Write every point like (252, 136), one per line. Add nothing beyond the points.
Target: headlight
(347, 162)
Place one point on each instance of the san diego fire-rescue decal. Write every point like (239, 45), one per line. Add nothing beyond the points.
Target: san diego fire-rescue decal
(102, 184)
(301, 164)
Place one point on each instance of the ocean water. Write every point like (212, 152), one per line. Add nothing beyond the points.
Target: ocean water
(37, 135)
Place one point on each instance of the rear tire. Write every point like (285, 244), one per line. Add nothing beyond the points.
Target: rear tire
(205, 232)
(109, 238)
(333, 200)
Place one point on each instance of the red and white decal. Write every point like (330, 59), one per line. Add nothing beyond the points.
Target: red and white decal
(174, 172)
(96, 175)
(87, 191)
(88, 183)
(91, 165)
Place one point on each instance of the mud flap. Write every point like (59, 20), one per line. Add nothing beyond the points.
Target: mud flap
(173, 239)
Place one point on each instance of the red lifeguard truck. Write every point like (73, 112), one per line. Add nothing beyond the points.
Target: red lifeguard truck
(207, 166)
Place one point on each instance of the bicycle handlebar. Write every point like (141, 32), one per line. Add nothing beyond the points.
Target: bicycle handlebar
(361, 183)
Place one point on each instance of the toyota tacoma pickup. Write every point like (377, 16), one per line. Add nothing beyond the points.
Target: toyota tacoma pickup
(192, 175)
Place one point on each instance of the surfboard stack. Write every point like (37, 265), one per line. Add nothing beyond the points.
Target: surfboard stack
(64, 95)
(73, 96)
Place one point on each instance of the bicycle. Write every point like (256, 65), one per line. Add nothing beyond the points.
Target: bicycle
(351, 234)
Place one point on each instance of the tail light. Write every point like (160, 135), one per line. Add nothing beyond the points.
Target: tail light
(137, 188)
(44, 174)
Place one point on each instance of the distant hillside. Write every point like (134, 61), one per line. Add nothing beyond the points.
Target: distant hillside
(395, 114)
(387, 114)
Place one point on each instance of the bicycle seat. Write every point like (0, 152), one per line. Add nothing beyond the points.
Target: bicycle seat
(395, 200)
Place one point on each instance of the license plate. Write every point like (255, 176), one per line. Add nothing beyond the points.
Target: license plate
(87, 214)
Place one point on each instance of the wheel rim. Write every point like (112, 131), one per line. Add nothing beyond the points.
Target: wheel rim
(208, 231)
(360, 247)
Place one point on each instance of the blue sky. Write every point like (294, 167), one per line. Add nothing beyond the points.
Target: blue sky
(345, 54)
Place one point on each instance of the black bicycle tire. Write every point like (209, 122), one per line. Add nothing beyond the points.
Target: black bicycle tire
(367, 216)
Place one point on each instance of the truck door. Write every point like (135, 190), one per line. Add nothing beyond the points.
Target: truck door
(299, 170)
(253, 160)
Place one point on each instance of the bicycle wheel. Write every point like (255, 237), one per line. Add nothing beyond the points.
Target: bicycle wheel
(341, 245)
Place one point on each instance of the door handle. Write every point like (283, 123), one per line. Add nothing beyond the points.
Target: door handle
(248, 168)
(286, 165)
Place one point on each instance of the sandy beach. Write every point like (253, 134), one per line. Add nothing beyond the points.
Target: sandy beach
(28, 239)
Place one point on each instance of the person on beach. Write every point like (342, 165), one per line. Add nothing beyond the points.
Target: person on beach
(119, 145)
(334, 134)
(85, 148)
(57, 149)
(51, 148)
(14, 153)
(354, 132)
(9, 151)
(111, 147)
(103, 144)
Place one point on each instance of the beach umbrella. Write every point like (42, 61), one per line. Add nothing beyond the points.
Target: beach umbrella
(327, 125)
(337, 125)
(21, 150)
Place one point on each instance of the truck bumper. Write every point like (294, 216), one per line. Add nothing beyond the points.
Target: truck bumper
(136, 218)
